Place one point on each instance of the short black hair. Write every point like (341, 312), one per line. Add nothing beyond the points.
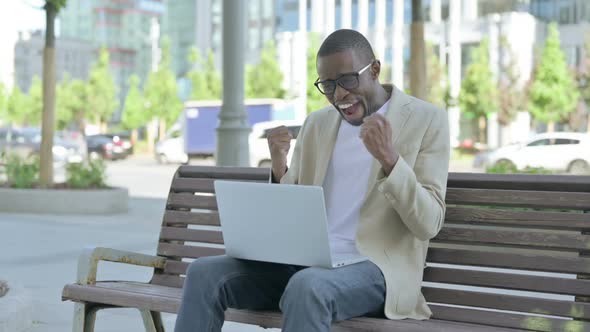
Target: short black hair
(346, 39)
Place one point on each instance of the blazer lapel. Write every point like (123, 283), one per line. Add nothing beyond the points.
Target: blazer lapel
(326, 142)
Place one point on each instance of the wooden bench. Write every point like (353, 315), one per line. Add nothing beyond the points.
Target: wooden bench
(513, 255)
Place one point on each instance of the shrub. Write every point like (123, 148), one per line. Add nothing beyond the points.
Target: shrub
(21, 172)
(91, 174)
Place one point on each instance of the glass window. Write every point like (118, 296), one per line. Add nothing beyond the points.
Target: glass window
(541, 142)
(562, 141)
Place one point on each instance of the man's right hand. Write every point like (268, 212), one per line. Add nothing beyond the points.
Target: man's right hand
(279, 143)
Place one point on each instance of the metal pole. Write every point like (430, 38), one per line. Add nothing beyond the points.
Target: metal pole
(346, 16)
(397, 43)
(302, 63)
(233, 130)
(454, 69)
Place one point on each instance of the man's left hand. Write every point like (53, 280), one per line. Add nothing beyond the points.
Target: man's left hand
(376, 134)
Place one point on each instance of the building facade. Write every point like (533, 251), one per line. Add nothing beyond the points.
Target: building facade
(73, 58)
(192, 23)
(124, 27)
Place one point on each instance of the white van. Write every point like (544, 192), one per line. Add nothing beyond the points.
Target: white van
(259, 152)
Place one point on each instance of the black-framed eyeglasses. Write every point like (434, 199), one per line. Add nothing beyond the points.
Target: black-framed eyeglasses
(348, 81)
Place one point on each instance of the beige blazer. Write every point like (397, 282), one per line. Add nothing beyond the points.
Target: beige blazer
(401, 212)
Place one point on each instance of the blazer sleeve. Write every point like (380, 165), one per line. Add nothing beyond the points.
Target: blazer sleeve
(418, 195)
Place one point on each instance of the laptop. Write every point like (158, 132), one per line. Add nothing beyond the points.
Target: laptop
(277, 223)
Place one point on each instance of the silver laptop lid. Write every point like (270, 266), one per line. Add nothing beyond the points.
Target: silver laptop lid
(274, 223)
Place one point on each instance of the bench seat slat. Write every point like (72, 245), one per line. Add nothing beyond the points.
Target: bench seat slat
(507, 302)
(502, 280)
(519, 198)
(173, 217)
(524, 219)
(534, 262)
(521, 238)
(194, 235)
(167, 299)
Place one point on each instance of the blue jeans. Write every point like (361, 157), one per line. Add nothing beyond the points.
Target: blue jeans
(310, 298)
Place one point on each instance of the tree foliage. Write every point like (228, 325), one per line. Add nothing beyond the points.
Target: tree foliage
(161, 93)
(264, 79)
(102, 92)
(134, 108)
(437, 82)
(315, 100)
(553, 93)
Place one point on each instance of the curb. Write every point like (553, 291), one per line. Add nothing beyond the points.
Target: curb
(16, 309)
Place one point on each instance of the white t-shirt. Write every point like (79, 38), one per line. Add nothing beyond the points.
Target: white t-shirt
(345, 186)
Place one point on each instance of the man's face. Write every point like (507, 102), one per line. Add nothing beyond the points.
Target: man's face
(354, 103)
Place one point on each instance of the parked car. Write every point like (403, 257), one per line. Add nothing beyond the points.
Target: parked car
(102, 147)
(120, 147)
(560, 152)
(26, 142)
(259, 152)
(171, 148)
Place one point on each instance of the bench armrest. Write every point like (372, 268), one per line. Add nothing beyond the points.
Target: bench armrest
(88, 261)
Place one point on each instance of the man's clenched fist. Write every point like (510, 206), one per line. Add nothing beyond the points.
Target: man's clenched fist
(377, 136)
(279, 143)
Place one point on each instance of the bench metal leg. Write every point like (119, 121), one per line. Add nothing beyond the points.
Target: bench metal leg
(152, 320)
(84, 317)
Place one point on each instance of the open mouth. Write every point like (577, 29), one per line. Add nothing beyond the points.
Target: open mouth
(350, 108)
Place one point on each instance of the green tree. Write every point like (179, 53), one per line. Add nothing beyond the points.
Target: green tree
(437, 83)
(212, 76)
(553, 93)
(199, 87)
(72, 104)
(102, 92)
(583, 77)
(134, 110)
(478, 96)
(417, 52)
(16, 106)
(161, 91)
(511, 96)
(264, 79)
(52, 8)
(35, 110)
(3, 102)
(315, 100)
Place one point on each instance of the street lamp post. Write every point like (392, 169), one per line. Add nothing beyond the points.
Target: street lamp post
(233, 130)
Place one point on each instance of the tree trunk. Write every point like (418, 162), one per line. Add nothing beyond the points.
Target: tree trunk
(482, 130)
(588, 123)
(162, 129)
(133, 137)
(550, 126)
(151, 135)
(48, 122)
(417, 52)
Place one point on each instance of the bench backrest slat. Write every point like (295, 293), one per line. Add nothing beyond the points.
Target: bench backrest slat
(519, 198)
(575, 221)
(503, 234)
